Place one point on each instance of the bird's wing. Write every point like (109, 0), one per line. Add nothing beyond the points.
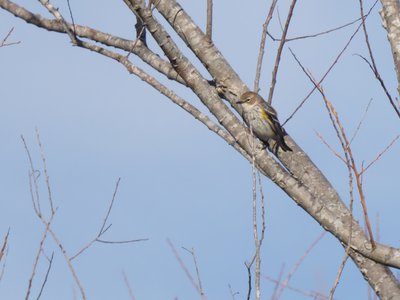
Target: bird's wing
(273, 115)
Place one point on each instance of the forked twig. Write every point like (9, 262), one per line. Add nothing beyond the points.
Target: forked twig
(373, 66)
(352, 162)
(193, 254)
(183, 266)
(35, 190)
(104, 229)
(335, 61)
(4, 43)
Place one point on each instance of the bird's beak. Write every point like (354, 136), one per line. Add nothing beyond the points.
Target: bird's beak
(241, 101)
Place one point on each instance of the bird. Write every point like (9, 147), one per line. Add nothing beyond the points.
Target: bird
(262, 119)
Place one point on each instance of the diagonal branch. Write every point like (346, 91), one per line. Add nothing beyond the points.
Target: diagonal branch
(262, 46)
(279, 53)
(374, 67)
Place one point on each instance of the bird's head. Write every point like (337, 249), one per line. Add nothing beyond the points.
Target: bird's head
(248, 99)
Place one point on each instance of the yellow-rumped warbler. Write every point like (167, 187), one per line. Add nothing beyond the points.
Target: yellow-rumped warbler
(263, 120)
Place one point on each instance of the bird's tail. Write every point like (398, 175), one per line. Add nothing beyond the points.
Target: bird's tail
(283, 144)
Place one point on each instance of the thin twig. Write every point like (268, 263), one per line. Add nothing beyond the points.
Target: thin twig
(72, 16)
(104, 229)
(101, 231)
(315, 34)
(361, 121)
(297, 265)
(2, 251)
(45, 171)
(363, 170)
(4, 43)
(140, 35)
(335, 61)
(49, 229)
(262, 46)
(233, 294)
(34, 189)
(3, 267)
(128, 286)
(352, 162)
(351, 195)
(209, 19)
(121, 242)
(262, 200)
(197, 272)
(374, 67)
(312, 294)
(279, 53)
(182, 264)
(278, 282)
(35, 264)
(339, 274)
(248, 267)
(330, 147)
(46, 276)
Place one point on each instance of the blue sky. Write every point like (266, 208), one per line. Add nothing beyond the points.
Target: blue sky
(178, 180)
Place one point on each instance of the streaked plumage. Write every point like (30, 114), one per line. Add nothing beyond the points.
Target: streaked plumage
(263, 120)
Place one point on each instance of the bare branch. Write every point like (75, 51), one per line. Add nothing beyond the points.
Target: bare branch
(297, 265)
(278, 283)
(103, 229)
(128, 286)
(313, 35)
(374, 67)
(248, 267)
(233, 294)
(183, 266)
(209, 19)
(279, 53)
(46, 276)
(192, 253)
(45, 172)
(35, 264)
(4, 246)
(4, 43)
(363, 170)
(262, 46)
(311, 294)
(335, 61)
(330, 147)
(361, 121)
